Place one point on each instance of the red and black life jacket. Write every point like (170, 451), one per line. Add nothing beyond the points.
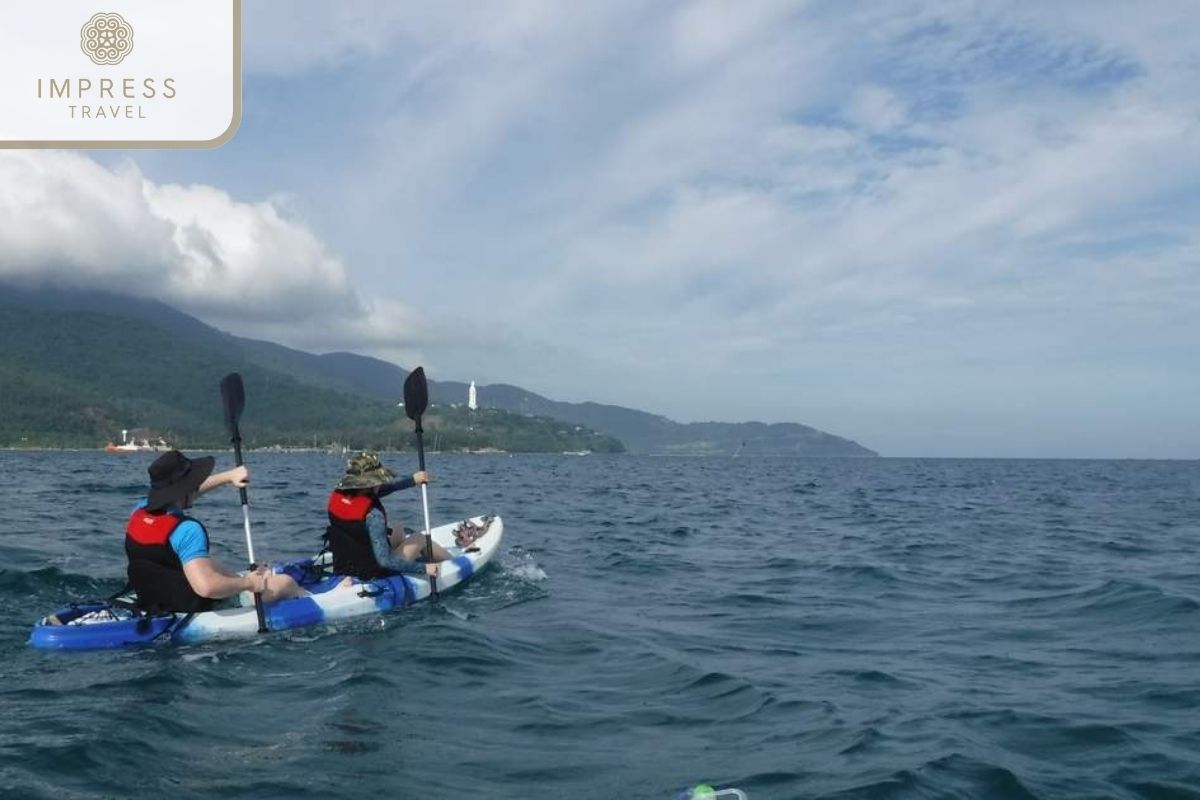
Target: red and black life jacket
(154, 570)
(347, 536)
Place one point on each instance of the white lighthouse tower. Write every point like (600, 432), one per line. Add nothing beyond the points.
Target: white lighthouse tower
(472, 400)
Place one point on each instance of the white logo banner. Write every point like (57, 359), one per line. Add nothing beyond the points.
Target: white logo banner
(120, 73)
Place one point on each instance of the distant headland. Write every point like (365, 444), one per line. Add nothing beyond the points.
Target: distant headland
(79, 367)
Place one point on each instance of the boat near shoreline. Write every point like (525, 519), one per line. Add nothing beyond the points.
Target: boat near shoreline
(138, 440)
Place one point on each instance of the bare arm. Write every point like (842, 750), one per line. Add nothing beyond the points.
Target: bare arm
(209, 580)
(238, 476)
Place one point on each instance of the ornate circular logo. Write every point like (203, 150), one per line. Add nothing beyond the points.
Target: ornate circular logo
(106, 38)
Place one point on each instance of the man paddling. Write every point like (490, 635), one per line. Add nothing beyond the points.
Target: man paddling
(170, 566)
(359, 538)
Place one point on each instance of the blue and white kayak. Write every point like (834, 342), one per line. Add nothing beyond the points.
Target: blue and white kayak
(103, 624)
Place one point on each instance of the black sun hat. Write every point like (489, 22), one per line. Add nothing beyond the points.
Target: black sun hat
(173, 476)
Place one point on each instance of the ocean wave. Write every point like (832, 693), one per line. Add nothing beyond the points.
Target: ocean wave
(55, 586)
(1115, 600)
(863, 572)
(521, 565)
(872, 677)
(950, 776)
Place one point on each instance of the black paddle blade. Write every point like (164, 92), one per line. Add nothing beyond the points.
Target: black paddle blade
(416, 393)
(233, 395)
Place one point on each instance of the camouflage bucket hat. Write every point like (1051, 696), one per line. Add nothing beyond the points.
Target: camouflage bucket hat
(365, 471)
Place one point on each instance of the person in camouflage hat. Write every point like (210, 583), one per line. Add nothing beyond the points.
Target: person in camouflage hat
(358, 535)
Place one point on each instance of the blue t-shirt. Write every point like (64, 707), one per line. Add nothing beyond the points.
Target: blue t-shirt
(188, 540)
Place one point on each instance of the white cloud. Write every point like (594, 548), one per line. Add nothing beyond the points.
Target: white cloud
(876, 109)
(708, 31)
(70, 222)
(297, 36)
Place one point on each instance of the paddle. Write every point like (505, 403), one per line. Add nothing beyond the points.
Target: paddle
(416, 399)
(233, 395)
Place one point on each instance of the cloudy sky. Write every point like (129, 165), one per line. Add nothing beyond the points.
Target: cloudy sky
(937, 228)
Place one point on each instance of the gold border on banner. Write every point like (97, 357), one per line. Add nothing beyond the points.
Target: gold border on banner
(167, 144)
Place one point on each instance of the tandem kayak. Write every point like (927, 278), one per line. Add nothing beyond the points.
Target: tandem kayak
(104, 624)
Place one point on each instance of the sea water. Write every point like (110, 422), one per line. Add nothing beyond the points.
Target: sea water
(865, 628)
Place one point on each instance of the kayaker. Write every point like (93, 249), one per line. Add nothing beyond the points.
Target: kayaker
(170, 566)
(358, 535)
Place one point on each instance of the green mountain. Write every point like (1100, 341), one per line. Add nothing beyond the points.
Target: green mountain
(643, 432)
(378, 385)
(640, 431)
(75, 378)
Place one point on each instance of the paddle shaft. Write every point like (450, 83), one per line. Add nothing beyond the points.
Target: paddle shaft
(237, 457)
(425, 504)
(258, 602)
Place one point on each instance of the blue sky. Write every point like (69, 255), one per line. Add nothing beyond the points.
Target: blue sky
(938, 228)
